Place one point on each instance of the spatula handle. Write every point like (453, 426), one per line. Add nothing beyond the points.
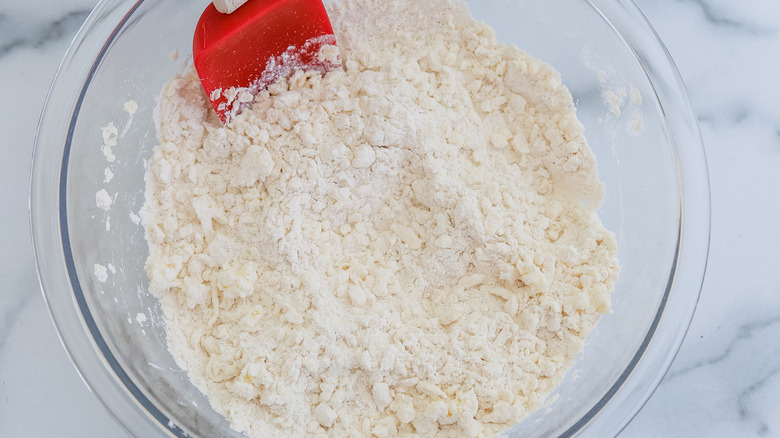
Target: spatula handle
(228, 6)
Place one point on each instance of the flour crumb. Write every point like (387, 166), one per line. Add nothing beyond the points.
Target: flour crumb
(134, 218)
(636, 95)
(110, 134)
(405, 247)
(130, 107)
(101, 273)
(103, 200)
(615, 100)
(638, 122)
(108, 175)
(140, 318)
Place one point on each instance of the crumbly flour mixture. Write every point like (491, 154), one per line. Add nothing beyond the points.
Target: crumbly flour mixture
(407, 247)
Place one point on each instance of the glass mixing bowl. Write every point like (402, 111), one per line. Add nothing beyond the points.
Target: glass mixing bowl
(638, 121)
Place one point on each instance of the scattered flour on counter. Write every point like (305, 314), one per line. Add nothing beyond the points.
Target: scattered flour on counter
(408, 247)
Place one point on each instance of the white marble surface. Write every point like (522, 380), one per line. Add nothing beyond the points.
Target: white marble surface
(725, 381)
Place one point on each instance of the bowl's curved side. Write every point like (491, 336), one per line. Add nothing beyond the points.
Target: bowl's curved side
(49, 225)
(658, 350)
(103, 373)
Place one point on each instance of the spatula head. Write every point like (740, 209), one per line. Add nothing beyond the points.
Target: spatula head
(238, 55)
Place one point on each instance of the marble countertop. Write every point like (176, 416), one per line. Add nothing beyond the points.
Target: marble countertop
(725, 381)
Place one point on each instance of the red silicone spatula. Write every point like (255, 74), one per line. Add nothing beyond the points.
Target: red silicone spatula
(245, 45)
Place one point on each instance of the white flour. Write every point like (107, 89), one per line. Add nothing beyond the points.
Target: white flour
(400, 248)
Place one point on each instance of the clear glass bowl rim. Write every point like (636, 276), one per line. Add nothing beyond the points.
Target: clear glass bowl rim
(105, 378)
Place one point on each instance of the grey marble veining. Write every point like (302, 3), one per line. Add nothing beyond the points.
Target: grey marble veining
(14, 36)
(24, 36)
(725, 381)
(725, 17)
(744, 334)
(41, 394)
